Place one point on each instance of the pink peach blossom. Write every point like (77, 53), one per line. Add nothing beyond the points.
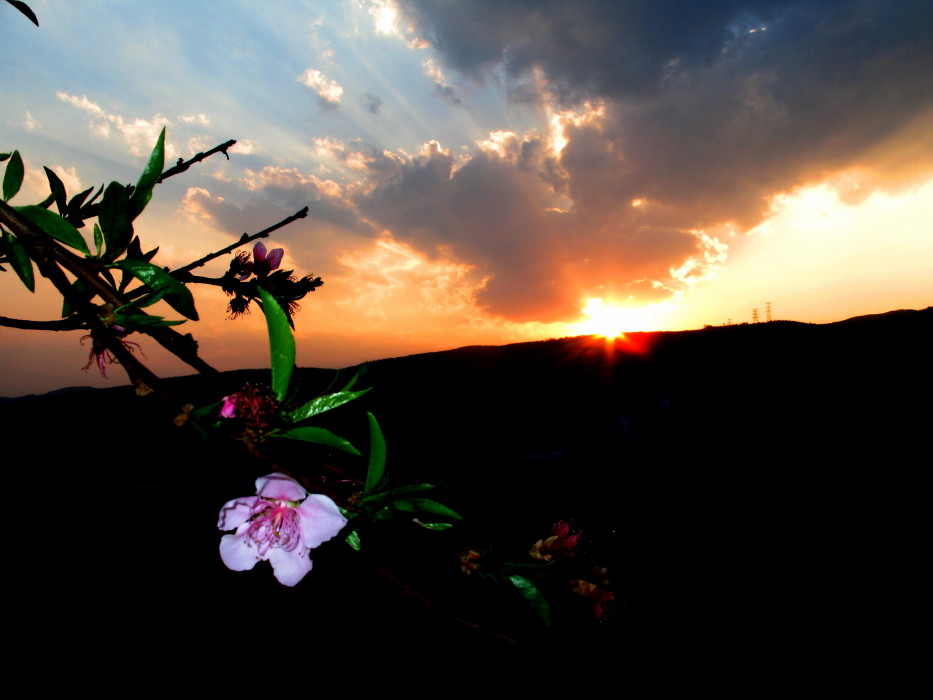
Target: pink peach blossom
(281, 525)
(228, 410)
(264, 262)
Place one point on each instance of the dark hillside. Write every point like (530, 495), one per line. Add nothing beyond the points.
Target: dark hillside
(755, 487)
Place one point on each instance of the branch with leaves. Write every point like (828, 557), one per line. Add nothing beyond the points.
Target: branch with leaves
(284, 521)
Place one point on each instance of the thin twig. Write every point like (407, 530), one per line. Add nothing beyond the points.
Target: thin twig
(243, 240)
(49, 255)
(182, 165)
(65, 324)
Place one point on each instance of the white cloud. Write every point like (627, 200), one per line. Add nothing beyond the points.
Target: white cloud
(385, 16)
(193, 204)
(244, 147)
(31, 123)
(289, 178)
(394, 283)
(328, 147)
(194, 119)
(139, 134)
(329, 90)
(706, 264)
(69, 178)
(432, 70)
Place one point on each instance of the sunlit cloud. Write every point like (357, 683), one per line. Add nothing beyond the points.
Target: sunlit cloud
(69, 177)
(443, 86)
(36, 184)
(708, 262)
(393, 284)
(194, 201)
(328, 90)
(194, 119)
(243, 147)
(385, 16)
(31, 123)
(581, 151)
(139, 134)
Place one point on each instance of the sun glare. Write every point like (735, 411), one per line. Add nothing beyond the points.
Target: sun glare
(612, 320)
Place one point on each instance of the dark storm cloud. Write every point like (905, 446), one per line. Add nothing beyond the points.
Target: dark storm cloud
(629, 48)
(710, 109)
(495, 212)
(373, 103)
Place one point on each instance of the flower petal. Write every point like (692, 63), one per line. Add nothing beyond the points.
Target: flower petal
(228, 410)
(274, 258)
(290, 567)
(236, 512)
(259, 252)
(279, 487)
(320, 520)
(236, 553)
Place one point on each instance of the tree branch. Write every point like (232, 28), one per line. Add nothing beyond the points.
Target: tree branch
(182, 165)
(244, 239)
(65, 324)
(48, 255)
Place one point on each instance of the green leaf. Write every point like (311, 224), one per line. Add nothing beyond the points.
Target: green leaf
(143, 320)
(375, 474)
(98, 239)
(530, 593)
(13, 177)
(281, 344)
(149, 299)
(59, 196)
(319, 436)
(434, 526)
(321, 404)
(176, 295)
(353, 539)
(425, 505)
(79, 209)
(355, 378)
(79, 288)
(55, 226)
(205, 410)
(113, 215)
(411, 488)
(19, 260)
(74, 205)
(148, 180)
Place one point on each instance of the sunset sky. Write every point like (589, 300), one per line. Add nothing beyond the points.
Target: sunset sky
(488, 171)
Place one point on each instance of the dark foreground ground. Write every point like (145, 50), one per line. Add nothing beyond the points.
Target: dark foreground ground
(755, 492)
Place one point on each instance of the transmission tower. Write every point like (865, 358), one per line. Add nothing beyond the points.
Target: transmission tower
(755, 316)
(768, 308)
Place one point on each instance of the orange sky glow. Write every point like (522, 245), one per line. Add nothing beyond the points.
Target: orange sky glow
(485, 190)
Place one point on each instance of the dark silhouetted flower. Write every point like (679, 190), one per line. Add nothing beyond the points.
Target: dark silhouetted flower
(598, 592)
(255, 408)
(101, 355)
(241, 266)
(263, 262)
(238, 306)
(563, 542)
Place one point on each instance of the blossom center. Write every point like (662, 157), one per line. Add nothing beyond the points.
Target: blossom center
(275, 524)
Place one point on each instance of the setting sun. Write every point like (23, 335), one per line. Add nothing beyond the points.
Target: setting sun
(610, 320)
